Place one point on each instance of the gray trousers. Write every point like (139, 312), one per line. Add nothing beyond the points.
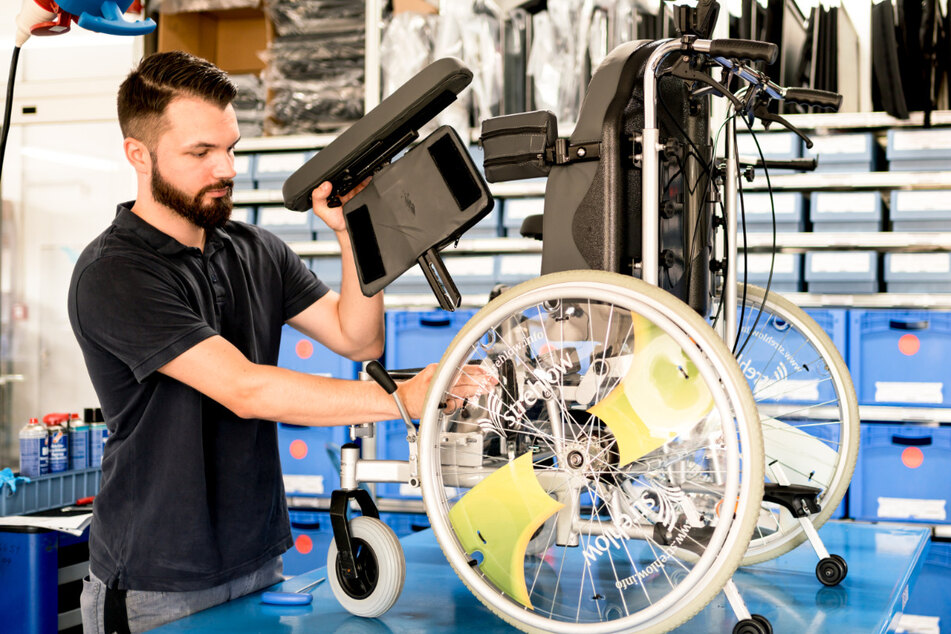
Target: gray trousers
(148, 609)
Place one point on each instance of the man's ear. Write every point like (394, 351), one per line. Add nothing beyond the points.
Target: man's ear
(138, 155)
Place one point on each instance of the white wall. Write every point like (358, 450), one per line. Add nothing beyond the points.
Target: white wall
(64, 173)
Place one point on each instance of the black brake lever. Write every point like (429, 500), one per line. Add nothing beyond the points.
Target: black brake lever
(761, 112)
(685, 70)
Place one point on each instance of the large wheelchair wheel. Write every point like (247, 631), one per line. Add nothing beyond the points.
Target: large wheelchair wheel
(808, 408)
(612, 479)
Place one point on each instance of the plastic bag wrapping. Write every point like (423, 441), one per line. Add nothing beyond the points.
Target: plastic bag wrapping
(249, 104)
(465, 30)
(558, 61)
(190, 6)
(292, 17)
(313, 57)
(300, 107)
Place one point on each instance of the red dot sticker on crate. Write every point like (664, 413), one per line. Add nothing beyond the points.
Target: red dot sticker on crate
(304, 349)
(912, 457)
(304, 544)
(909, 345)
(298, 449)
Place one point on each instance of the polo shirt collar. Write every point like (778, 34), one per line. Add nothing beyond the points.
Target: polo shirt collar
(162, 242)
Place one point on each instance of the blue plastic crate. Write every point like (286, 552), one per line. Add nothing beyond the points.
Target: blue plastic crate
(245, 213)
(300, 353)
(310, 458)
(312, 534)
(244, 171)
(846, 211)
(286, 224)
(900, 357)
(404, 524)
(918, 272)
(902, 474)
(931, 592)
(857, 152)
(417, 338)
(271, 169)
(923, 150)
(787, 271)
(516, 210)
(514, 268)
(328, 270)
(50, 491)
(472, 274)
(921, 210)
(774, 145)
(789, 212)
(841, 272)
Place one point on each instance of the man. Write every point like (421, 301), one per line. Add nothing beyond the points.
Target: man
(178, 312)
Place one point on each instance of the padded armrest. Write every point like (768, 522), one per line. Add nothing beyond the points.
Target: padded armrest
(380, 134)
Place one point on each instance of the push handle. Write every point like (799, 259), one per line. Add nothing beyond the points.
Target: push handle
(809, 97)
(379, 374)
(745, 49)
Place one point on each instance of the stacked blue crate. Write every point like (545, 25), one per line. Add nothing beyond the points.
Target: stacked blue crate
(900, 357)
(472, 274)
(312, 535)
(926, 150)
(774, 145)
(516, 210)
(921, 210)
(306, 452)
(754, 268)
(847, 211)
(271, 169)
(841, 272)
(842, 153)
(787, 208)
(515, 268)
(414, 339)
(902, 474)
(917, 272)
(244, 181)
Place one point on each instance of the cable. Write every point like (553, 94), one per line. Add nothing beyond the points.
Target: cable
(8, 106)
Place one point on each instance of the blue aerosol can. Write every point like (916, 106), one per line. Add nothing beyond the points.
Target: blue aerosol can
(34, 449)
(98, 434)
(79, 439)
(58, 441)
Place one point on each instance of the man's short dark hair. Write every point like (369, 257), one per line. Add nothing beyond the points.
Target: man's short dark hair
(160, 78)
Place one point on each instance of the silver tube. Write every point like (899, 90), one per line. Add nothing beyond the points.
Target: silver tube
(729, 283)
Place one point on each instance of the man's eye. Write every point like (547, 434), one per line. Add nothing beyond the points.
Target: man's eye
(201, 154)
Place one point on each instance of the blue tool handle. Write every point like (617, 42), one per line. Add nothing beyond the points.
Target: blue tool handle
(112, 22)
(287, 598)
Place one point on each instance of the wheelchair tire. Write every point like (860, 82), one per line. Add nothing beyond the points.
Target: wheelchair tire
(381, 569)
(806, 400)
(647, 545)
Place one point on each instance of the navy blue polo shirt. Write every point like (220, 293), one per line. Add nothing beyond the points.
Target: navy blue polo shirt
(191, 494)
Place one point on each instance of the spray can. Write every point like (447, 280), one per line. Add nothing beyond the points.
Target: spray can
(58, 442)
(34, 449)
(98, 433)
(79, 440)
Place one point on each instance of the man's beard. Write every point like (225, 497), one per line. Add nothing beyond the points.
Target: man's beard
(207, 216)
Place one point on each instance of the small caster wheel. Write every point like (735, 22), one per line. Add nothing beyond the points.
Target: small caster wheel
(756, 624)
(831, 570)
(381, 569)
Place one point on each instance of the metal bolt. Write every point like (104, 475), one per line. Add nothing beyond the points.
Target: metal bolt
(581, 151)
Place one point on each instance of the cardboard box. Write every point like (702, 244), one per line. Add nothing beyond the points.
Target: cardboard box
(232, 39)
(416, 6)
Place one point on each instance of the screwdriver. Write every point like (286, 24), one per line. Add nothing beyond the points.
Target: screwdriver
(298, 597)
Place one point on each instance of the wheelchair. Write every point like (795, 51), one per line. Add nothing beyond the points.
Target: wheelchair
(655, 423)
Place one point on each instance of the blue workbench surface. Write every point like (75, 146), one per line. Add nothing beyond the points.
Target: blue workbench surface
(883, 561)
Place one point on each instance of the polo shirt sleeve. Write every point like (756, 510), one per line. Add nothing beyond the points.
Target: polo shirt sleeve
(301, 286)
(135, 313)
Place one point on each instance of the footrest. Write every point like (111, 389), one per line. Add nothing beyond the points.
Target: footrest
(801, 500)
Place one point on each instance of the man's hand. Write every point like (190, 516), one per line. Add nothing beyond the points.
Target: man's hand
(333, 216)
(474, 381)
